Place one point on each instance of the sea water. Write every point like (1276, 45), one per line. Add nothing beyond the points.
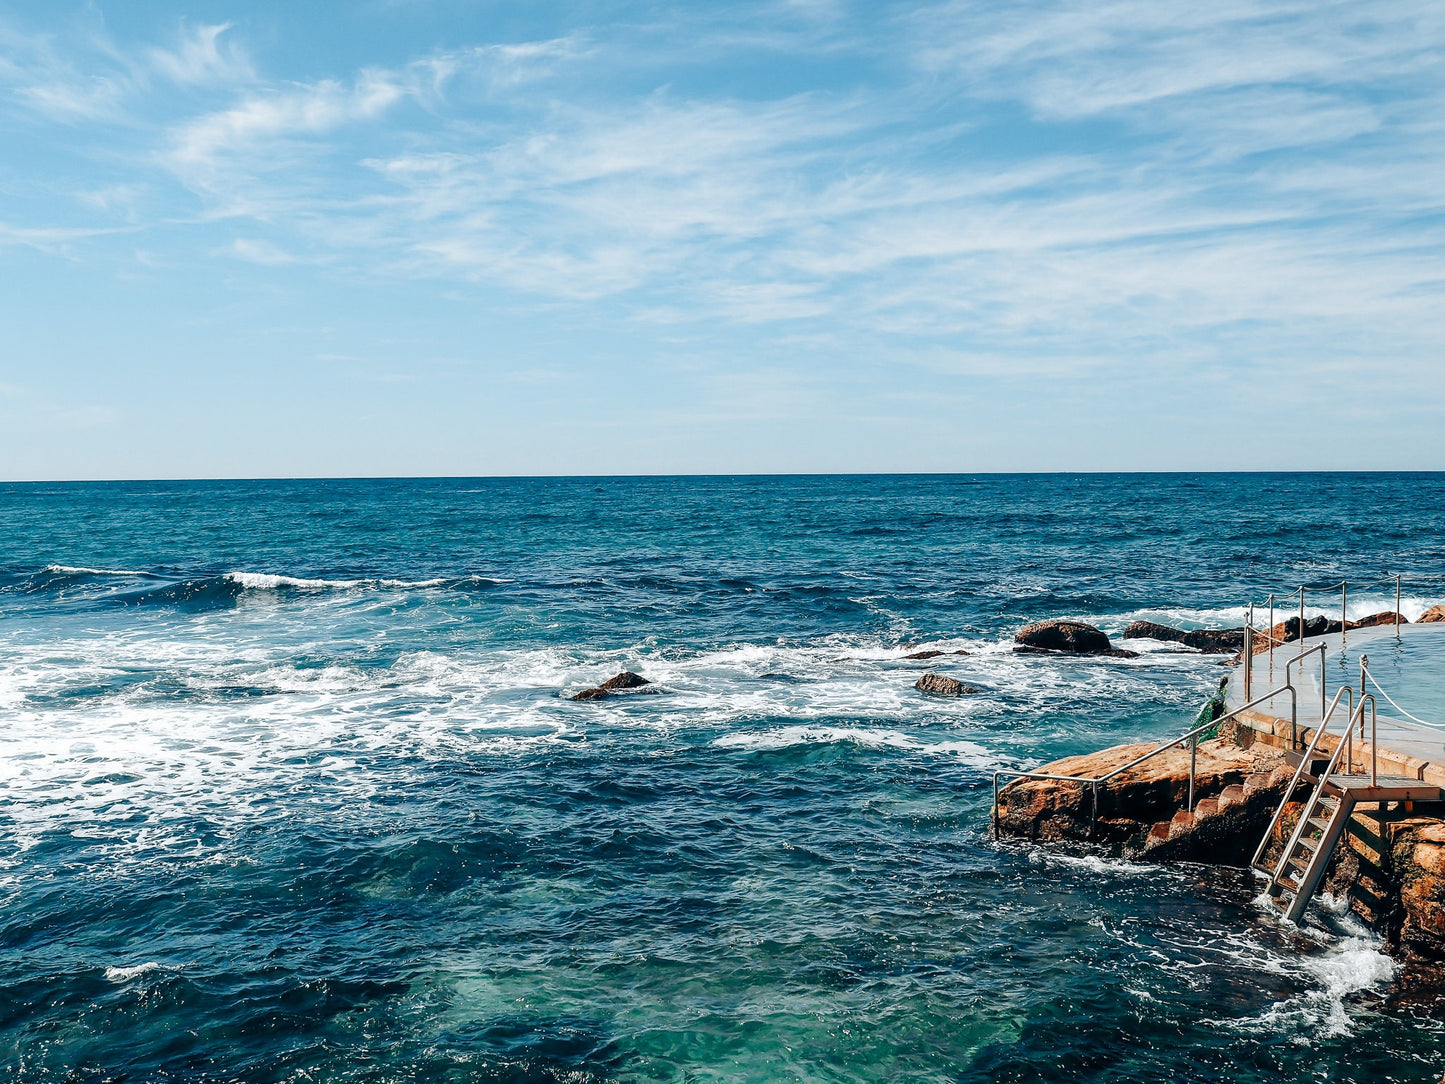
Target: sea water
(291, 788)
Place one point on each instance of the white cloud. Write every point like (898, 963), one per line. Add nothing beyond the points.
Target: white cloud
(260, 252)
(201, 57)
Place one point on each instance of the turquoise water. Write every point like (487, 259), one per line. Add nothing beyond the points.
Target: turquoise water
(291, 789)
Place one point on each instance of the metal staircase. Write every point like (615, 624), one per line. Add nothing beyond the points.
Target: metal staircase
(1326, 812)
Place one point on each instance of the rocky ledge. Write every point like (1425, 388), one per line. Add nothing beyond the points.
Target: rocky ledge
(1141, 811)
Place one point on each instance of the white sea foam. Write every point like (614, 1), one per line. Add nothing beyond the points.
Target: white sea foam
(125, 974)
(73, 570)
(265, 581)
(866, 737)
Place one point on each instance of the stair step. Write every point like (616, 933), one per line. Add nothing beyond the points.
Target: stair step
(1158, 834)
(1300, 862)
(1317, 822)
(1182, 822)
(1312, 842)
(1206, 807)
(1231, 795)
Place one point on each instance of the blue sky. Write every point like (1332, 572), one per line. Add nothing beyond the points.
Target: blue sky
(430, 237)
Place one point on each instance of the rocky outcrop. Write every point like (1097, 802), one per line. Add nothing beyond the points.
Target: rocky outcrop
(1388, 617)
(931, 654)
(621, 683)
(1433, 614)
(1064, 637)
(1288, 631)
(1210, 641)
(939, 685)
(1152, 630)
(1139, 810)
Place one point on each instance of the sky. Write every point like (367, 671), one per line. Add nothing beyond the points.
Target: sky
(429, 237)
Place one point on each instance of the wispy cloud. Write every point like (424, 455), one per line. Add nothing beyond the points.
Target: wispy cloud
(1063, 180)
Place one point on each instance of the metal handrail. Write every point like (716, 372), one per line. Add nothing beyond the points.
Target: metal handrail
(1299, 771)
(1094, 781)
(1324, 670)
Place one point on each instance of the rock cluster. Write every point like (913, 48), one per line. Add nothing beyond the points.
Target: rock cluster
(1286, 632)
(621, 683)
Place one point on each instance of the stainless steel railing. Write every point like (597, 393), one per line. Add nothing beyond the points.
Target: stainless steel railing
(1094, 781)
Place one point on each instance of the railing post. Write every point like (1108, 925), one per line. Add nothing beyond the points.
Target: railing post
(1248, 662)
(1193, 757)
(1344, 610)
(1397, 607)
(995, 805)
(1374, 742)
(1093, 811)
(1271, 641)
(1302, 614)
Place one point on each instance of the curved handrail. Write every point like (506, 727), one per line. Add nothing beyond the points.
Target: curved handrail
(1094, 781)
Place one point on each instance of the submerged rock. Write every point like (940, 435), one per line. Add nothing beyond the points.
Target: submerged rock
(623, 681)
(1069, 637)
(939, 685)
(924, 655)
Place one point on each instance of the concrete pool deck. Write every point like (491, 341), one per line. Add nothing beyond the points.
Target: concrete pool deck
(1410, 667)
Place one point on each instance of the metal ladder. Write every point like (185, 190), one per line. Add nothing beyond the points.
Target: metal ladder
(1302, 865)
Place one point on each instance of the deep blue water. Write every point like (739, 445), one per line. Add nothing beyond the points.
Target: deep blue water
(290, 789)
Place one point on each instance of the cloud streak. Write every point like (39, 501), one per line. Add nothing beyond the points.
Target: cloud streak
(1071, 180)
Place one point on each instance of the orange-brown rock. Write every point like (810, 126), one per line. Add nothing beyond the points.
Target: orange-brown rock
(1135, 801)
(1386, 617)
(1417, 854)
(1434, 613)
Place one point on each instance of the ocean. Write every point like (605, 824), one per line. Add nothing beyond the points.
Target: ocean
(291, 788)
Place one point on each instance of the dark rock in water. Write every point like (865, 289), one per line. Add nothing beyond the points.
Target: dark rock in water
(1215, 641)
(1152, 630)
(625, 680)
(938, 685)
(924, 655)
(1072, 637)
(1121, 653)
(1210, 641)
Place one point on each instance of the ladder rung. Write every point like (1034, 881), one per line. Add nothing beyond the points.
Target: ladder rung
(1316, 822)
(1312, 842)
(1300, 862)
